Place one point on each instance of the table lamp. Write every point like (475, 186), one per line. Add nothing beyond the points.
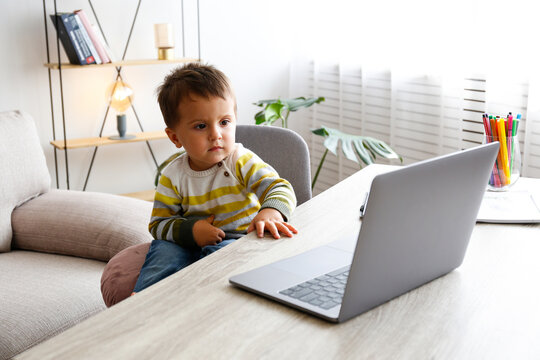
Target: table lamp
(121, 94)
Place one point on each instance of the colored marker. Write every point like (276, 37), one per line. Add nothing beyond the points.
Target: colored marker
(488, 140)
(503, 150)
(510, 139)
(499, 176)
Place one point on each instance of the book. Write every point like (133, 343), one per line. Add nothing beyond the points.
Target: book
(520, 204)
(88, 56)
(87, 39)
(93, 36)
(108, 51)
(67, 38)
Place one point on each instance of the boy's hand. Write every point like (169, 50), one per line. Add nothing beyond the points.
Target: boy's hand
(271, 220)
(204, 233)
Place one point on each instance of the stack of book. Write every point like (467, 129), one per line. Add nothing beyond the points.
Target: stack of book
(82, 41)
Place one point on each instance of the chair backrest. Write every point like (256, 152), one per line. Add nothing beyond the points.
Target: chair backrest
(284, 150)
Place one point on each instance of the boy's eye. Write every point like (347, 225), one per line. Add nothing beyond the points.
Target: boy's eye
(200, 126)
(225, 122)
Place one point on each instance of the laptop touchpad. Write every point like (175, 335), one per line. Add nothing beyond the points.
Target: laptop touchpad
(315, 262)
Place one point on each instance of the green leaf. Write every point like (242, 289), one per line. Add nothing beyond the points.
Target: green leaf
(372, 154)
(381, 148)
(275, 109)
(260, 118)
(273, 112)
(362, 152)
(331, 143)
(300, 102)
(355, 146)
(320, 132)
(262, 103)
(348, 151)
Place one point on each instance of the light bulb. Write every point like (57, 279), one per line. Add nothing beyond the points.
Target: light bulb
(120, 99)
(121, 96)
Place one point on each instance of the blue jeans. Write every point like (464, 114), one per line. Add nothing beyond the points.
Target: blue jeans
(164, 258)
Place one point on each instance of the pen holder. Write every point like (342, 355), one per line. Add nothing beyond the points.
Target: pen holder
(506, 169)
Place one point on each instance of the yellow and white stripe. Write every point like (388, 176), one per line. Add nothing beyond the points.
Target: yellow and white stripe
(234, 192)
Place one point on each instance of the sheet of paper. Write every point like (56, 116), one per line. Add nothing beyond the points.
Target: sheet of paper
(509, 207)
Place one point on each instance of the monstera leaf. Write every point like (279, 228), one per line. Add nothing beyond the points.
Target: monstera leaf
(275, 109)
(354, 147)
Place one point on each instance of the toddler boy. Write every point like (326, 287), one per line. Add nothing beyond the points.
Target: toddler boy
(217, 191)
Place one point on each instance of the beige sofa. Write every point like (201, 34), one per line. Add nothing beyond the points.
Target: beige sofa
(54, 244)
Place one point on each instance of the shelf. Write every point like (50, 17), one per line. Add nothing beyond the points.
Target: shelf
(147, 195)
(55, 66)
(56, 93)
(101, 141)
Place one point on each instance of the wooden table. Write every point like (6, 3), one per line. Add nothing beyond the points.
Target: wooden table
(489, 308)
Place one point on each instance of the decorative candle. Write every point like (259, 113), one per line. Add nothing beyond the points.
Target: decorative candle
(164, 40)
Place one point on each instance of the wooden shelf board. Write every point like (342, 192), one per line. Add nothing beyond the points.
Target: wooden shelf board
(101, 141)
(55, 66)
(147, 195)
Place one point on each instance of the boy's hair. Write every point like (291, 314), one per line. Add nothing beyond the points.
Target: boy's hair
(190, 79)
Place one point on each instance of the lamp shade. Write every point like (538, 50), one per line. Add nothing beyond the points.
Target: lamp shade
(121, 96)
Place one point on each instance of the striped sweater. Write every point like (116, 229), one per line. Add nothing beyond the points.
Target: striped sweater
(234, 190)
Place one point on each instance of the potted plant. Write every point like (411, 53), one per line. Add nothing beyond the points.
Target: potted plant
(360, 149)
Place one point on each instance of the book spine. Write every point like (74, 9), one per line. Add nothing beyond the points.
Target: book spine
(108, 51)
(95, 40)
(69, 44)
(89, 58)
(87, 39)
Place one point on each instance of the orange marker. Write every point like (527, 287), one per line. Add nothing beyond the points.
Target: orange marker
(504, 150)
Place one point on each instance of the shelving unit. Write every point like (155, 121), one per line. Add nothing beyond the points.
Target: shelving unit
(64, 144)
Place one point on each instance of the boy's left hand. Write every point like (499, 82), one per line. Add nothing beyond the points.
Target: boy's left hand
(271, 220)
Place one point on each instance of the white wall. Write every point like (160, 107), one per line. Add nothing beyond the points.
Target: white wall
(246, 39)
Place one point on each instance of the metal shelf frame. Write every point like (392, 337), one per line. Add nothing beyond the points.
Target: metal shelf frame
(59, 66)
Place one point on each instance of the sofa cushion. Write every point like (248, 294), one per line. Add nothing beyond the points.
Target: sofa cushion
(84, 224)
(121, 273)
(23, 168)
(42, 295)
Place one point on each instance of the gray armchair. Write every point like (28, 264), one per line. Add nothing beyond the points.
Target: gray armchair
(285, 150)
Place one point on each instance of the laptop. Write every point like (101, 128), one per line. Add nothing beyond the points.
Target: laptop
(416, 226)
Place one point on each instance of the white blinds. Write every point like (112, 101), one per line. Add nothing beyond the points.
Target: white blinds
(419, 116)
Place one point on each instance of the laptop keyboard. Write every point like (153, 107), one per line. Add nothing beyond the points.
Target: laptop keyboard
(324, 291)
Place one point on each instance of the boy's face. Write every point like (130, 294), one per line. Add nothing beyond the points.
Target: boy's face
(206, 130)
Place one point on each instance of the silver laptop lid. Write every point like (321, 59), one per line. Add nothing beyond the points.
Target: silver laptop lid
(416, 226)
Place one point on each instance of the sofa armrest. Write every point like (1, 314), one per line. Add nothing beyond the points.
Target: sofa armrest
(83, 224)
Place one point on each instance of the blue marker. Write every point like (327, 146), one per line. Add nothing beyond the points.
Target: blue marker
(518, 118)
